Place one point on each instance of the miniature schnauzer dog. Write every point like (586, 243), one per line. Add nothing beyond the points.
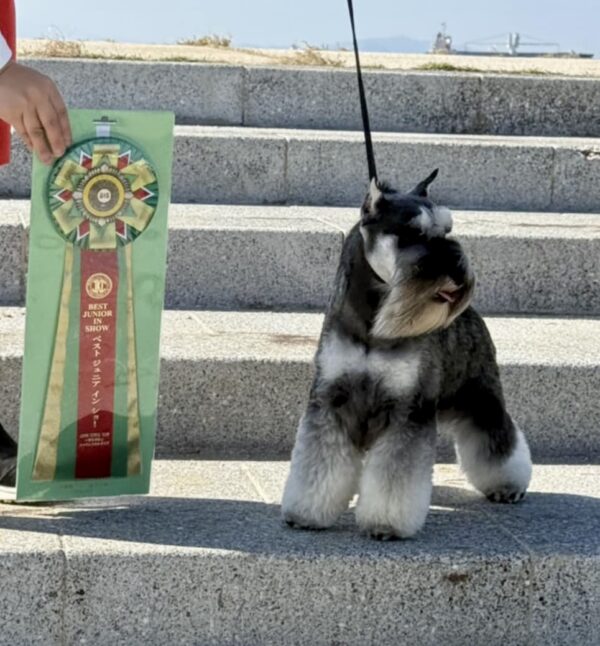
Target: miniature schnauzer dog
(401, 352)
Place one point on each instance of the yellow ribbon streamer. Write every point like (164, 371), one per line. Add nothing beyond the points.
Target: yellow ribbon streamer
(45, 460)
(134, 463)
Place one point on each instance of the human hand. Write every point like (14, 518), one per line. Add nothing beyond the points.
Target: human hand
(33, 106)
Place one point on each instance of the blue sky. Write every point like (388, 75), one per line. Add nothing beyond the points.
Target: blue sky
(573, 23)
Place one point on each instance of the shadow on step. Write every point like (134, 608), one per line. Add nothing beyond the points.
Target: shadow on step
(460, 521)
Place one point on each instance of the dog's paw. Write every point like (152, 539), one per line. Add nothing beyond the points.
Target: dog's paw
(377, 522)
(297, 522)
(383, 533)
(389, 529)
(506, 495)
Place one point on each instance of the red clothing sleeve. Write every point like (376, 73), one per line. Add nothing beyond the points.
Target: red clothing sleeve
(8, 30)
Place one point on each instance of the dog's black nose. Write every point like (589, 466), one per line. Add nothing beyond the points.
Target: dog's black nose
(444, 258)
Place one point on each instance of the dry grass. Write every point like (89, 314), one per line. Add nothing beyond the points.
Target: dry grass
(310, 56)
(63, 49)
(534, 71)
(448, 67)
(212, 40)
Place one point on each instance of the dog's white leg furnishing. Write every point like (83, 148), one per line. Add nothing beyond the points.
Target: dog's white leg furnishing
(323, 475)
(395, 486)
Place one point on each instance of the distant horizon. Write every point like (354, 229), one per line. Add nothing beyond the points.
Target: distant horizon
(572, 24)
(382, 44)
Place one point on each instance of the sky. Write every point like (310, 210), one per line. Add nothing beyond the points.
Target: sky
(277, 23)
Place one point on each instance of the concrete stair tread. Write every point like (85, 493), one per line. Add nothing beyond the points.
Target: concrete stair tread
(206, 559)
(260, 483)
(293, 336)
(285, 257)
(420, 101)
(323, 219)
(247, 165)
(307, 134)
(234, 384)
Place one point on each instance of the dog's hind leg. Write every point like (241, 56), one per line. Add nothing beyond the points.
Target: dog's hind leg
(396, 482)
(492, 451)
(323, 475)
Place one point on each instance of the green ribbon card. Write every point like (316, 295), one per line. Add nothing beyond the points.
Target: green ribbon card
(95, 291)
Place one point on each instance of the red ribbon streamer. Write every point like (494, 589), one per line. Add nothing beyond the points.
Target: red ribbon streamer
(97, 349)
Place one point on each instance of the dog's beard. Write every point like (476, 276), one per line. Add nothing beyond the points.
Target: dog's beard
(412, 309)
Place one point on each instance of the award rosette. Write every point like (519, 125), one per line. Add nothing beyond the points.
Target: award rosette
(95, 291)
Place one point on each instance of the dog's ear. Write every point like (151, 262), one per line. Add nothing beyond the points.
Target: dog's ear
(372, 205)
(421, 188)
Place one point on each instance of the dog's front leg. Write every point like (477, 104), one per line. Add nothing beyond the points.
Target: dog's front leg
(323, 475)
(396, 482)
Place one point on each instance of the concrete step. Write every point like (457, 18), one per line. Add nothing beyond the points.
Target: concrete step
(267, 166)
(253, 257)
(327, 98)
(235, 383)
(206, 560)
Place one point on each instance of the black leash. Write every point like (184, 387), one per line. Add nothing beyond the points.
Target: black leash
(363, 102)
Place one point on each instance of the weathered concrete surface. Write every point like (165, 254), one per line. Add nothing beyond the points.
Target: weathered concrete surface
(205, 559)
(423, 102)
(326, 98)
(13, 252)
(476, 172)
(226, 257)
(235, 384)
(208, 94)
(270, 166)
(32, 586)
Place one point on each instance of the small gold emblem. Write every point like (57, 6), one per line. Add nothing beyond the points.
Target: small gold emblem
(103, 194)
(98, 286)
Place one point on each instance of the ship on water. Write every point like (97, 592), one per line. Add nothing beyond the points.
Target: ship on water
(511, 44)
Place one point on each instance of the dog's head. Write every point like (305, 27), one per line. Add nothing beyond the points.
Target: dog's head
(426, 275)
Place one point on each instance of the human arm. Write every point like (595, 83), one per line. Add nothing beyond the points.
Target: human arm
(33, 106)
